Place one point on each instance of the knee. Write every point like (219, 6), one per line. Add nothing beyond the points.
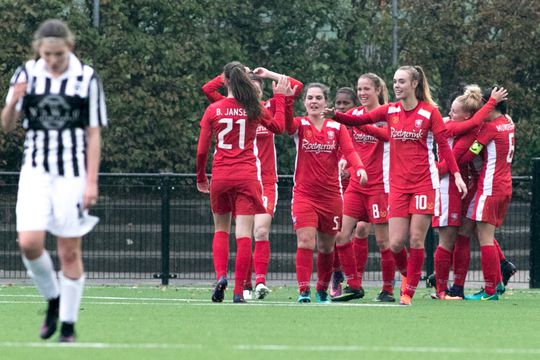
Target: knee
(31, 248)
(342, 239)
(261, 232)
(417, 241)
(69, 256)
(306, 242)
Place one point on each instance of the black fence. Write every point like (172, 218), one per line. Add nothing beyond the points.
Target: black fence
(157, 226)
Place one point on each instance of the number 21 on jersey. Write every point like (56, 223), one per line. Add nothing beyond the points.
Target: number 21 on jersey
(229, 124)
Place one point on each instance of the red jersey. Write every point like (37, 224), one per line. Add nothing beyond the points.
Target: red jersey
(412, 136)
(235, 156)
(371, 142)
(497, 138)
(316, 174)
(266, 149)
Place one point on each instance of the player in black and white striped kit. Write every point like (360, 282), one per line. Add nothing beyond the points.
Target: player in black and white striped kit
(62, 105)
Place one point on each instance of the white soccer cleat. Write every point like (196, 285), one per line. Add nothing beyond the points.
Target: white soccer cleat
(261, 291)
(248, 295)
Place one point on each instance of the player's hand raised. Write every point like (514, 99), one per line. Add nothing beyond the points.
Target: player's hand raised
(328, 113)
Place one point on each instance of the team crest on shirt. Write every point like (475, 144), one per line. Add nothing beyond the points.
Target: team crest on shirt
(309, 133)
(394, 119)
(454, 216)
(383, 213)
(331, 135)
(430, 205)
(418, 123)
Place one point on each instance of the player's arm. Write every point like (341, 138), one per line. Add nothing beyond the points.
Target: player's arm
(12, 110)
(211, 88)
(205, 139)
(380, 132)
(483, 138)
(379, 114)
(353, 159)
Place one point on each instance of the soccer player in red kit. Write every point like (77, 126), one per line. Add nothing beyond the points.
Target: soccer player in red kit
(236, 180)
(465, 117)
(317, 203)
(495, 143)
(367, 204)
(267, 156)
(414, 124)
(345, 100)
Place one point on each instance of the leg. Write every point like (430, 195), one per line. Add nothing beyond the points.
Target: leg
(345, 251)
(262, 253)
(71, 285)
(398, 229)
(443, 258)
(360, 244)
(418, 230)
(243, 229)
(462, 255)
(388, 265)
(490, 258)
(325, 257)
(220, 253)
(306, 241)
(40, 267)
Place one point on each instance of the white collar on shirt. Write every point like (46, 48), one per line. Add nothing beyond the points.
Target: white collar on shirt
(75, 68)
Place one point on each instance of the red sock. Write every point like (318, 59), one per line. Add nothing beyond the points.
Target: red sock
(388, 267)
(499, 251)
(304, 268)
(400, 260)
(360, 255)
(247, 281)
(324, 270)
(220, 252)
(337, 263)
(443, 260)
(462, 258)
(348, 264)
(414, 270)
(490, 264)
(262, 259)
(243, 260)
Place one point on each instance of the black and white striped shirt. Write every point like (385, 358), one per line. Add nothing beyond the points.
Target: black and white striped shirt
(56, 113)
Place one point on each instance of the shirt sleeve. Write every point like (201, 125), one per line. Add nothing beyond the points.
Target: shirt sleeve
(456, 128)
(211, 88)
(379, 114)
(96, 102)
(205, 139)
(441, 136)
(19, 76)
(275, 124)
(348, 151)
(298, 89)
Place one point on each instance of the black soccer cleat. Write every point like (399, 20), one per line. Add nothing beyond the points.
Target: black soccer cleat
(507, 270)
(385, 296)
(349, 294)
(219, 290)
(51, 319)
(67, 333)
(431, 281)
(238, 299)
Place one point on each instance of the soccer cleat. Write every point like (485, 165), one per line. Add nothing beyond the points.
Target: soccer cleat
(51, 319)
(405, 300)
(500, 289)
(238, 299)
(322, 297)
(335, 284)
(403, 285)
(304, 297)
(483, 296)
(349, 294)
(445, 295)
(431, 281)
(261, 290)
(248, 294)
(456, 292)
(219, 290)
(385, 296)
(435, 296)
(67, 333)
(507, 270)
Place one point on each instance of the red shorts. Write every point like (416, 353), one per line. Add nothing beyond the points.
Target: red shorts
(489, 209)
(364, 207)
(323, 215)
(449, 211)
(406, 204)
(270, 196)
(244, 197)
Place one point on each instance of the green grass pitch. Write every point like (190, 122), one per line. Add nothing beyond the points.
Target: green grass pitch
(151, 322)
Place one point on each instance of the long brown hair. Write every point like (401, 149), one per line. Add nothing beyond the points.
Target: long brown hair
(422, 91)
(243, 90)
(53, 28)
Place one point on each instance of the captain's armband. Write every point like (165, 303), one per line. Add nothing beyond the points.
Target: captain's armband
(476, 148)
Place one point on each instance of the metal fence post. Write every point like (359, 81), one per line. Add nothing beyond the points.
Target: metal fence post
(534, 233)
(429, 249)
(165, 228)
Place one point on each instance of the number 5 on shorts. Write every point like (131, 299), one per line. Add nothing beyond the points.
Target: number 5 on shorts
(336, 223)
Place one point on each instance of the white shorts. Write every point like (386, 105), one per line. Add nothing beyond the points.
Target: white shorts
(52, 203)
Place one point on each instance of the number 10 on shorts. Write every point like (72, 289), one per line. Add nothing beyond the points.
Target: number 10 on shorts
(421, 202)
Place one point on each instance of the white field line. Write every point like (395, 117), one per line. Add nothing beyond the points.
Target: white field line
(276, 348)
(110, 300)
